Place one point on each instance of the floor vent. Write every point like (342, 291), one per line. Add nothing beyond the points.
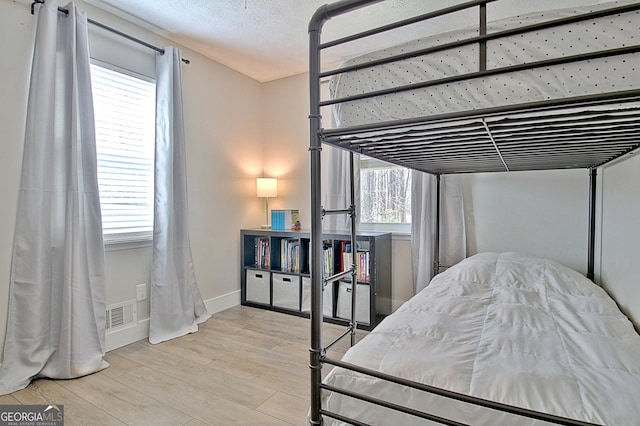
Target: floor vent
(121, 315)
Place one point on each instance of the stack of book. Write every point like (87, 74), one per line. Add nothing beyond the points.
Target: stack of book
(344, 258)
(361, 261)
(290, 255)
(262, 253)
(327, 256)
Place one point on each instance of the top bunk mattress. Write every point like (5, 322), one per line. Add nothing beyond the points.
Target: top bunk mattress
(460, 103)
(506, 327)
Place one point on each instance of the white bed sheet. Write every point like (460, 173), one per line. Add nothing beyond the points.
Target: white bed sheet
(505, 327)
(583, 78)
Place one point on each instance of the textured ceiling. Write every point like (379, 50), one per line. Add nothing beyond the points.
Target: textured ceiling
(264, 39)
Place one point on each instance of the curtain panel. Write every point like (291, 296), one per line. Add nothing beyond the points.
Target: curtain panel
(56, 318)
(423, 225)
(176, 304)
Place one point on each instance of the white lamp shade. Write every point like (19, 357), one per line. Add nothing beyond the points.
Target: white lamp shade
(267, 187)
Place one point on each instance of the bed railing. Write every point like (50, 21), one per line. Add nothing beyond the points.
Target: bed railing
(436, 391)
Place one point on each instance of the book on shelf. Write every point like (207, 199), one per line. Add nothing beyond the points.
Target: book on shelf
(340, 258)
(361, 261)
(262, 250)
(290, 255)
(285, 220)
(327, 259)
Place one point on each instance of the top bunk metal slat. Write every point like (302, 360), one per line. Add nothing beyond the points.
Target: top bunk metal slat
(541, 107)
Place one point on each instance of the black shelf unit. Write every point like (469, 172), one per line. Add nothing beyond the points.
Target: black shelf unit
(275, 274)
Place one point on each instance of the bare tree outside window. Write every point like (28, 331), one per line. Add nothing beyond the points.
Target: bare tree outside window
(385, 193)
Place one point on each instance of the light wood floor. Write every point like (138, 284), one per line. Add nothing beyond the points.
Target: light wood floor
(244, 366)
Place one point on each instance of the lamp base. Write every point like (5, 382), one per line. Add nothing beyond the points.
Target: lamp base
(265, 226)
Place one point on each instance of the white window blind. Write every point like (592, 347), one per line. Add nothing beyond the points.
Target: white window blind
(124, 107)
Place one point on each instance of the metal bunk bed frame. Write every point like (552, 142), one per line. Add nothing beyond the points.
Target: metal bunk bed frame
(358, 139)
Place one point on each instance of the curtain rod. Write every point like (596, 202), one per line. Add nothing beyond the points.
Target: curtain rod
(113, 30)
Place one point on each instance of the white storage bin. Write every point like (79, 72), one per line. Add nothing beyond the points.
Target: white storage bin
(327, 297)
(286, 291)
(343, 309)
(258, 287)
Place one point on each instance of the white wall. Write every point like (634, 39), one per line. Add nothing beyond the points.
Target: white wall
(401, 274)
(286, 140)
(223, 129)
(538, 213)
(620, 235)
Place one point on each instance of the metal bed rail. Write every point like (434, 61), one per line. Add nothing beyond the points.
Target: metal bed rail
(485, 73)
(436, 391)
(483, 37)
(350, 5)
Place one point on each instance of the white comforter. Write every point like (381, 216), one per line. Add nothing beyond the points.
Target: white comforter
(505, 327)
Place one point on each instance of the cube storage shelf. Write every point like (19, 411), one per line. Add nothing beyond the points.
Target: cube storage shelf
(275, 274)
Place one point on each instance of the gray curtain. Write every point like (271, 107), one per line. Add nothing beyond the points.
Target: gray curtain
(56, 318)
(423, 216)
(176, 305)
(423, 212)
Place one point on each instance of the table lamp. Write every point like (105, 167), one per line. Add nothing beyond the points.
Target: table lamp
(266, 188)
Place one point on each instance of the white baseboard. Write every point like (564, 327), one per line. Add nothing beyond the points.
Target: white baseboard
(221, 303)
(140, 331)
(126, 336)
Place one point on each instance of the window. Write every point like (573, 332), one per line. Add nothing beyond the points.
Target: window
(385, 195)
(124, 107)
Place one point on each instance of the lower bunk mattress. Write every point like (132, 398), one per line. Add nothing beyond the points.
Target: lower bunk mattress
(506, 327)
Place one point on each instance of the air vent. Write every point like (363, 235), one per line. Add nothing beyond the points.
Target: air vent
(121, 315)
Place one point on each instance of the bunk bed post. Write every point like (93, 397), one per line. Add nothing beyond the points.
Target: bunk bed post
(591, 256)
(316, 355)
(354, 248)
(315, 245)
(436, 231)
